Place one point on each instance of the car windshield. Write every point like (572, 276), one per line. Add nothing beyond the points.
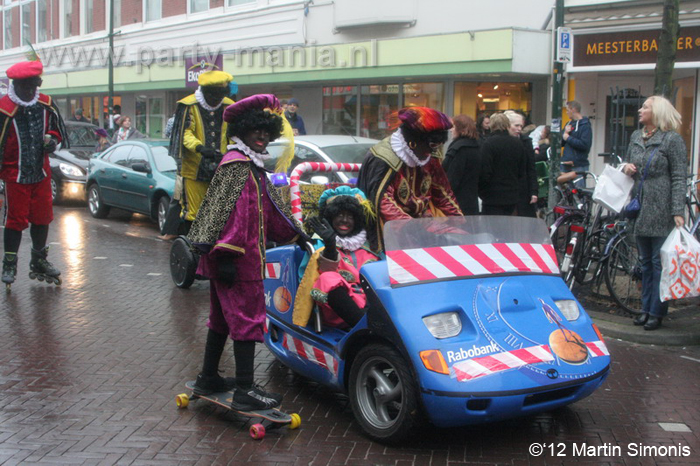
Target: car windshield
(347, 153)
(444, 248)
(81, 136)
(163, 161)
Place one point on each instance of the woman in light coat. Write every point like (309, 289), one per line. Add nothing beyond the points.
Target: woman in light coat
(662, 196)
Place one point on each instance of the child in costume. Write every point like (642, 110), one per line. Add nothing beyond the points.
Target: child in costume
(403, 176)
(30, 129)
(332, 278)
(239, 214)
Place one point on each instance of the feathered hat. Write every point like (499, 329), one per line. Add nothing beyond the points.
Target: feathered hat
(269, 103)
(26, 69)
(424, 119)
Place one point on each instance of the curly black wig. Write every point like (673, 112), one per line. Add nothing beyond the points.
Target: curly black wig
(439, 137)
(348, 203)
(256, 119)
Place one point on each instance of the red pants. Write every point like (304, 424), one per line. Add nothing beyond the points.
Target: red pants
(27, 203)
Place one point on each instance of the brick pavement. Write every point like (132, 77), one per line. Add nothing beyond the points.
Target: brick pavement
(89, 371)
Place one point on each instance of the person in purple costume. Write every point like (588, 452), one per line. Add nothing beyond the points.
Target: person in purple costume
(239, 214)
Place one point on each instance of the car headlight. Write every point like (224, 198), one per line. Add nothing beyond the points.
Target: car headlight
(70, 170)
(444, 325)
(569, 308)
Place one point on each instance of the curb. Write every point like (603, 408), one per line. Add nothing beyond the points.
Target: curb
(668, 335)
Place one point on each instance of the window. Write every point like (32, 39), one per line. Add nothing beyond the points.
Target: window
(473, 98)
(26, 22)
(239, 2)
(138, 155)
(340, 110)
(119, 155)
(117, 13)
(67, 18)
(89, 20)
(378, 105)
(154, 9)
(8, 28)
(42, 36)
(164, 162)
(198, 5)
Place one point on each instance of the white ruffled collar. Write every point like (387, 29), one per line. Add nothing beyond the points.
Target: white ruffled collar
(257, 158)
(351, 243)
(15, 98)
(203, 102)
(400, 147)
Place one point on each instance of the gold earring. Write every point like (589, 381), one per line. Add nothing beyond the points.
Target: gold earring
(412, 144)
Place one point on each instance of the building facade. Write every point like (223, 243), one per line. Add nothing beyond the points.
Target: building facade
(351, 63)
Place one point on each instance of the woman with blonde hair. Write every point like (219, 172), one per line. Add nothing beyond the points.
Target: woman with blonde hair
(657, 160)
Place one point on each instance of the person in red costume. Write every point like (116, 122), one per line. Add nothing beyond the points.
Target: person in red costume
(403, 175)
(30, 128)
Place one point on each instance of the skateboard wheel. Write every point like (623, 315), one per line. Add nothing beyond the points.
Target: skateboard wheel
(257, 431)
(182, 400)
(296, 421)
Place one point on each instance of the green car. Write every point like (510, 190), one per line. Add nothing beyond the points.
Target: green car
(137, 175)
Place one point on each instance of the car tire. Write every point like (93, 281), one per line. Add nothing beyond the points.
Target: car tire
(95, 205)
(162, 211)
(383, 394)
(56, 196)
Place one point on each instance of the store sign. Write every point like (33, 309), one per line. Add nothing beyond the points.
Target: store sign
(193, 68)
(632, 47)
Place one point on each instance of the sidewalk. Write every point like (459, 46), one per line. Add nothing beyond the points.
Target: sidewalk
(680, 328)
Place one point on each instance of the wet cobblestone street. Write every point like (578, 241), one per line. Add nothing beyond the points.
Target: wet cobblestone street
(89, 372)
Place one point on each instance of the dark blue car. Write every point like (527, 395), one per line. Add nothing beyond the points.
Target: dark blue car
(138, 176)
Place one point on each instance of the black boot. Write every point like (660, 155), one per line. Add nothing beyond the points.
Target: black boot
(641, 319)
(653, 323)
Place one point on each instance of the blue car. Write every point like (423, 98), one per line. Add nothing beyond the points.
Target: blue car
(468, 322)
(137, 175)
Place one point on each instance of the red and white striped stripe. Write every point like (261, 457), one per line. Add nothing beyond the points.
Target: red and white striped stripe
(313, 167)
(415, 265)
(499, 362)
(273, 269)
(309, 352)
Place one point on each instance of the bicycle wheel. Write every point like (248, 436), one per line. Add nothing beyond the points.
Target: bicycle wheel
(623, 275)
(588, 264)
(561, 235)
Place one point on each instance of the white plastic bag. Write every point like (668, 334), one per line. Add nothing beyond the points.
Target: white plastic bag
(613, 189)
(680, 262)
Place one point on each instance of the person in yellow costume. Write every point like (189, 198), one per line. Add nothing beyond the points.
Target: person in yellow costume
(197, 142)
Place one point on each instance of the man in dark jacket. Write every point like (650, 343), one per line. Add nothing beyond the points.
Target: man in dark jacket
(294, 119)
(577, 139)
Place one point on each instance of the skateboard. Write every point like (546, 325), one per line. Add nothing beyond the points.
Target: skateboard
(269, 418)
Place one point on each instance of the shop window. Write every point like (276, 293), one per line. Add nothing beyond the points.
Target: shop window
(340, 110)
(41, 27)
(424, 95)
(684, 103)
(88, 18)
(156, 117)
(473, 98)
(379, 104)
(621, 119)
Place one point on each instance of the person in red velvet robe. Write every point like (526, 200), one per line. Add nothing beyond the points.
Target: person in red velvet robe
(240, 213)
(403, 175)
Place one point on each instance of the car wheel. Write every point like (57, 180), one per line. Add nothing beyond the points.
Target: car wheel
(383, 393)
(95, 205)
(56, 191)
(162, 212)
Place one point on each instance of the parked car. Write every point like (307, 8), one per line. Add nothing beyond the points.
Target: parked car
(468, 321)
(322, 148)
(69, 166)
(136, 175)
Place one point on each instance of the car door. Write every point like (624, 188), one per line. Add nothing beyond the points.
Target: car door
(136, 186)
(109, 172)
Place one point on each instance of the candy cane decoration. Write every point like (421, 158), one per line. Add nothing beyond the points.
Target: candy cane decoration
(313, 167)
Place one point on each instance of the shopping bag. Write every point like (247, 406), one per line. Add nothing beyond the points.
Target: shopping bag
(680, 262)
(613, 189)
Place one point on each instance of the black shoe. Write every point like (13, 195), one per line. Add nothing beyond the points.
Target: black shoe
(209, 384)
(641, 319)
(254, 399)
(653, 323)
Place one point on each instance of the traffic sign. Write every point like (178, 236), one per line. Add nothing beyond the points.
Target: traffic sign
(564, 44)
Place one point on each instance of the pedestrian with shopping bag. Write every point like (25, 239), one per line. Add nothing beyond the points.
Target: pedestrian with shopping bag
(657, 155)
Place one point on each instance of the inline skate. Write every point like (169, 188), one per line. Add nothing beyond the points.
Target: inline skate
(41, 269)
(9, 269)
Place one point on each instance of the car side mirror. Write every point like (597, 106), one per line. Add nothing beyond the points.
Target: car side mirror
(141, 167)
